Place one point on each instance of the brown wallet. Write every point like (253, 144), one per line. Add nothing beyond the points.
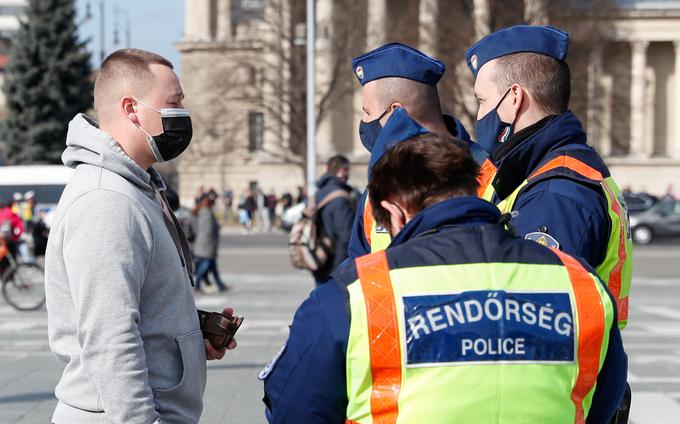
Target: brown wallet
(218, 328)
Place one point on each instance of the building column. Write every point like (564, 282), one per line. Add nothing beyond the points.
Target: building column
(536, 12)
(376, 27)
(481, 16)
(427, 17)
(325, 58)
(197, 20)
(648, 148)
(605, 130)
(595, 102)
(376, 24)
(674, 149)
(637, 98)
(224, 20)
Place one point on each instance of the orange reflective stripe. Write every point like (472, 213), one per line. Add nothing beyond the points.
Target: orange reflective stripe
(368, 219)
(614, 282)
(569, 163)
(590, 330)
(486, 174)
(383, 336)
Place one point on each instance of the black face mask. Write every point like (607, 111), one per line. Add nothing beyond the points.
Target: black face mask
(368, 131)
(176, 135)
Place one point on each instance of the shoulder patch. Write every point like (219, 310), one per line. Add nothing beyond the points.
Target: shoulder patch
(543, 239)
(270, 366)
(380, 229)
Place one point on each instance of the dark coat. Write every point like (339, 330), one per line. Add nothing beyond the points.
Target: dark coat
(335, 220)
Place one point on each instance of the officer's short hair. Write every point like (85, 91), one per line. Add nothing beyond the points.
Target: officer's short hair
(336, 163)
(420, 100)
(547, 79)
(422, 171)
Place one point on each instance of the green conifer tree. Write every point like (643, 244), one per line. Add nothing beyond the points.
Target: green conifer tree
(46, 84)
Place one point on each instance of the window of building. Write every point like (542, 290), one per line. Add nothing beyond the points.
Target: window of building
(255, 131)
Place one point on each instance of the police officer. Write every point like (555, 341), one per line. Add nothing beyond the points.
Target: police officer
(399, 84)
(457, 321)
(559, 186)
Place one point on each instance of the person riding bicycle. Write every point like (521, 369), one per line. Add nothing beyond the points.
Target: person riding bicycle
(11, 227)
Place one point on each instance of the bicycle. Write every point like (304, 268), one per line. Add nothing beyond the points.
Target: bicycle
(23, 284)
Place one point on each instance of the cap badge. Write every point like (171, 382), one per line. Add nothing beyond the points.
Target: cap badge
(360, 72)
(473, 61)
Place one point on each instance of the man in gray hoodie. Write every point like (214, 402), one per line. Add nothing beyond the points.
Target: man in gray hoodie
(121, 312)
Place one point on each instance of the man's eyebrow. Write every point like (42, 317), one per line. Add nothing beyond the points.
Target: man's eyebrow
(178, 94)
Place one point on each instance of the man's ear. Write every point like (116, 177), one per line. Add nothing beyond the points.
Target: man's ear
(129, 108)
(518, 97)
(394, 106)
(398, 216)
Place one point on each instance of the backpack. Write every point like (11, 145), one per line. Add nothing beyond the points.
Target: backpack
(308, 248)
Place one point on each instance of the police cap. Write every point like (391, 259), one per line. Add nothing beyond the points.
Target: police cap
(545, 40)
(400, 61)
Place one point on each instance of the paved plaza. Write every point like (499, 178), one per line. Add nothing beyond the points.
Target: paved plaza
(266, 291)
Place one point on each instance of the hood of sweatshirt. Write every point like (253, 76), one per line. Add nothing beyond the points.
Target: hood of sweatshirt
(87, 144)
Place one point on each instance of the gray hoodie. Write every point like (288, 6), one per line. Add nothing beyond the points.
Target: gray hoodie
(120, 307)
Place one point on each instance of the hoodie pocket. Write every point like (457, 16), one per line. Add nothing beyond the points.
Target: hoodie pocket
(184, 402)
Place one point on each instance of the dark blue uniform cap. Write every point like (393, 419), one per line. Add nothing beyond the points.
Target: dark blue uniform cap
(521, 38)
(397, 60)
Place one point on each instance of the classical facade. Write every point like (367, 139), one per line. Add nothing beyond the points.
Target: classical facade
(243, 73)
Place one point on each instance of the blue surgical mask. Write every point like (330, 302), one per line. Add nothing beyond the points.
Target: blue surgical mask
(368, 131)
(491, 131)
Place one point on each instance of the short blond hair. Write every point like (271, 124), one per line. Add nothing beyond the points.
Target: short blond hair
(126, 68)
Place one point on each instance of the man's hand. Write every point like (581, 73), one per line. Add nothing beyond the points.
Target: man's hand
(210, 352)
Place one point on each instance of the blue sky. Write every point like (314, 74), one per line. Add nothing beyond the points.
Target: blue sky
(156, 25)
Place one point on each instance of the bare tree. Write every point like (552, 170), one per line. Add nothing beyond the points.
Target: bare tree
(266, 73)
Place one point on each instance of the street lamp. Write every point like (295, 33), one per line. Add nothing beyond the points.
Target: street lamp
(116, 13)
(88, 16)
(311, 99)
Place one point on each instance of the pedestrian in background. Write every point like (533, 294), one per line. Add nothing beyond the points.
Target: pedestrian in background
(118, 272)
(265, 223)
(228, 200)
(335, 219)
(207, 242)
(270, 203)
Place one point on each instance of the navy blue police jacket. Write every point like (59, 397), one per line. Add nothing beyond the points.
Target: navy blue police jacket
(399, 127)
(569, 208)
(306, 381)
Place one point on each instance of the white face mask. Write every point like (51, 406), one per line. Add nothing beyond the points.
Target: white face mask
(176, 135)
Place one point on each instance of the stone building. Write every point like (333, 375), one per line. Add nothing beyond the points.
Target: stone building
(243, 73)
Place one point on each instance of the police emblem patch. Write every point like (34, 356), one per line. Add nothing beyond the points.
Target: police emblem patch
(488, 326)
(543, 239)
(473, 61)
(360, 72)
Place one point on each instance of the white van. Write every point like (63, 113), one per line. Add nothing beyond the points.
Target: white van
(46, 181)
